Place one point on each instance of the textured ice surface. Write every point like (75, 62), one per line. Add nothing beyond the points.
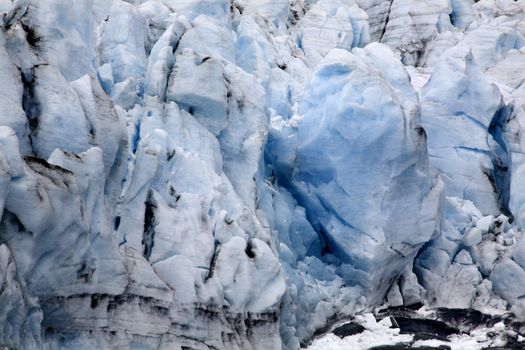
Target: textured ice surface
(240, 174)
(460, 115)
(360, 217)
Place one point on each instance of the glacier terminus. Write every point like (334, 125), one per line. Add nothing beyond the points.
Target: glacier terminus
(250, 174)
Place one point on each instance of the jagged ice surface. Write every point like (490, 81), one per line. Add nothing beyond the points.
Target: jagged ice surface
(239, 174)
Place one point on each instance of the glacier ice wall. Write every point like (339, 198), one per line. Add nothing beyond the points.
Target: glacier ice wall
(218, 174)
(373, 121)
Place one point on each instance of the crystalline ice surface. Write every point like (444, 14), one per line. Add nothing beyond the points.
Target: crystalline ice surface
(237, 175)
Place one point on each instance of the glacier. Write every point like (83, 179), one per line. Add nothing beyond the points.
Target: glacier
(212, 174)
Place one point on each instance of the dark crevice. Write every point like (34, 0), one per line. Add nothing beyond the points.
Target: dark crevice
(32, 36)
(213, 262)
(115, 180)
(135, 139)
(173, 193)
(326, 248)
(165, 88)
(235, 6)
(116, 223)
(18, 11)
(85, 272)
(175, 46)
(249, 250)
(38, 163)
(170, 154)
(500, 176)
(95, 299)
(383, 31)
(149, 226)
(60, 177)
(13, 221)
(30, 102)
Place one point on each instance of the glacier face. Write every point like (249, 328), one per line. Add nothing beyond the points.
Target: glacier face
(239, 174)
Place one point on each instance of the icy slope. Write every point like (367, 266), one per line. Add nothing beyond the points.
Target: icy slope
(239, 174)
